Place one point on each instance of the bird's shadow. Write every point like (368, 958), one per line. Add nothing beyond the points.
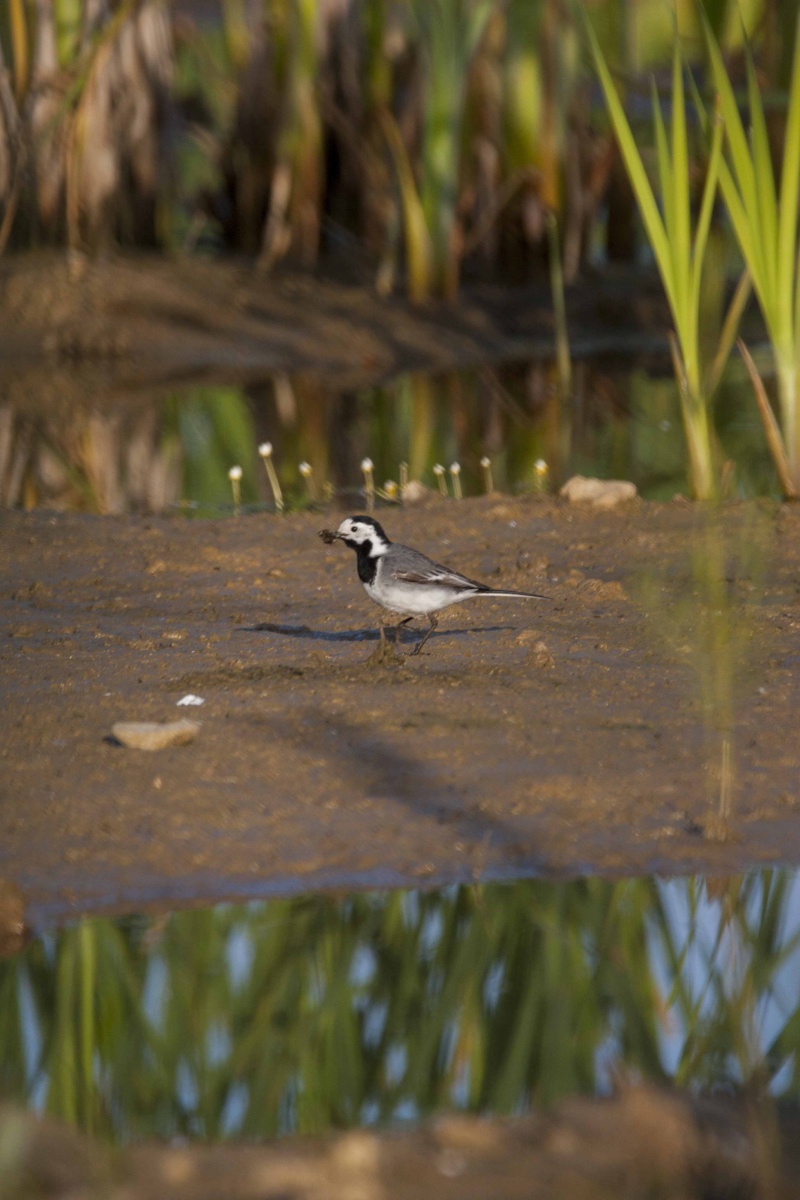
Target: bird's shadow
(362, 635)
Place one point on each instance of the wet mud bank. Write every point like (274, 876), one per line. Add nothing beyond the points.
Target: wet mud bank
(580, 735)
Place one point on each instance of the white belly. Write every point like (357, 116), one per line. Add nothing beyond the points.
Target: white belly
(410, 601)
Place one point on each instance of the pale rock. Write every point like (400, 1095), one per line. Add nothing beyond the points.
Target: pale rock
(416, 493)
(155, 735)
(600, 493)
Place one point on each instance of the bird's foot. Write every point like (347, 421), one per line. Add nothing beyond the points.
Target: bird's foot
(385, 655)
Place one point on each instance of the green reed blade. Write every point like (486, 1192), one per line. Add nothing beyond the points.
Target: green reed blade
(87, 989)
(738, 183)
(664, 164)
(646, 200)
(703, 228)
(788, 264)
(766, 200)
(682, 241)
(766, 225)
(729, 330)
(733, 201)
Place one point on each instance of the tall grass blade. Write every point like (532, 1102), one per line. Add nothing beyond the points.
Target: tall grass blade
(730, 328)
(771, 427)
(679, 261)
(766, 201)
(681, 241)
(701, 236)
(765, 223)
(789, 203)
(641, 184)
(738, 184)
(664, 162)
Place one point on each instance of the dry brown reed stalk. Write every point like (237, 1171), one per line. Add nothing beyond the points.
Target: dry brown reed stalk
(84, 125)
(104, 463)
(771, 427)
(10, 154)
(115, 129)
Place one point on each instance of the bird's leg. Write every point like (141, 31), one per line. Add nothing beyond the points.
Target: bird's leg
(399, 626)
(434, 623)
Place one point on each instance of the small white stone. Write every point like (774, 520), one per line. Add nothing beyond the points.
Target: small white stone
(189, 700)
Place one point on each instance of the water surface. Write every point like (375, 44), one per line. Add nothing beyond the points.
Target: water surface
(172, 450)
(327, 1012)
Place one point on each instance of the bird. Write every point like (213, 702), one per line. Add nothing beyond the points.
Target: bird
(404, 580)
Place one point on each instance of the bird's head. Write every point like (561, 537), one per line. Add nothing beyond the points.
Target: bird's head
(356, 532)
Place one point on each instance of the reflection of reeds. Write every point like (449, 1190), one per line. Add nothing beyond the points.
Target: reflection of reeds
(704, 617)
(316, 1012)
(737, 959)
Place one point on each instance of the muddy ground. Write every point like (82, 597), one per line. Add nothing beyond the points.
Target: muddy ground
(555, 737)
(640, 1145)
(569, 736)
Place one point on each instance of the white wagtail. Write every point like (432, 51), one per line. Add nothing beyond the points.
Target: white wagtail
(405, 581)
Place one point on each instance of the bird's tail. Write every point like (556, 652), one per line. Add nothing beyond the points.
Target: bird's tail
(504, 592)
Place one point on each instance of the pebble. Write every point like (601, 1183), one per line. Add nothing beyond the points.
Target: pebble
(154, 735)
(600, 493)
(416, 493)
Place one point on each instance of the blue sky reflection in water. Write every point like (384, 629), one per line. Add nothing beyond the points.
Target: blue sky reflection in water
(321, 1012)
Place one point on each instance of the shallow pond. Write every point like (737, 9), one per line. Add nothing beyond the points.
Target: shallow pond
(173, 448)
(327, 1012)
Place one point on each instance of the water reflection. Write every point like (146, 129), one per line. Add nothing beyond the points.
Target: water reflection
(702, 607)
(175, 448)
(324, 1012)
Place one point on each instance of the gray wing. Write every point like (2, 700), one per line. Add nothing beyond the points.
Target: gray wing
(410, 566)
